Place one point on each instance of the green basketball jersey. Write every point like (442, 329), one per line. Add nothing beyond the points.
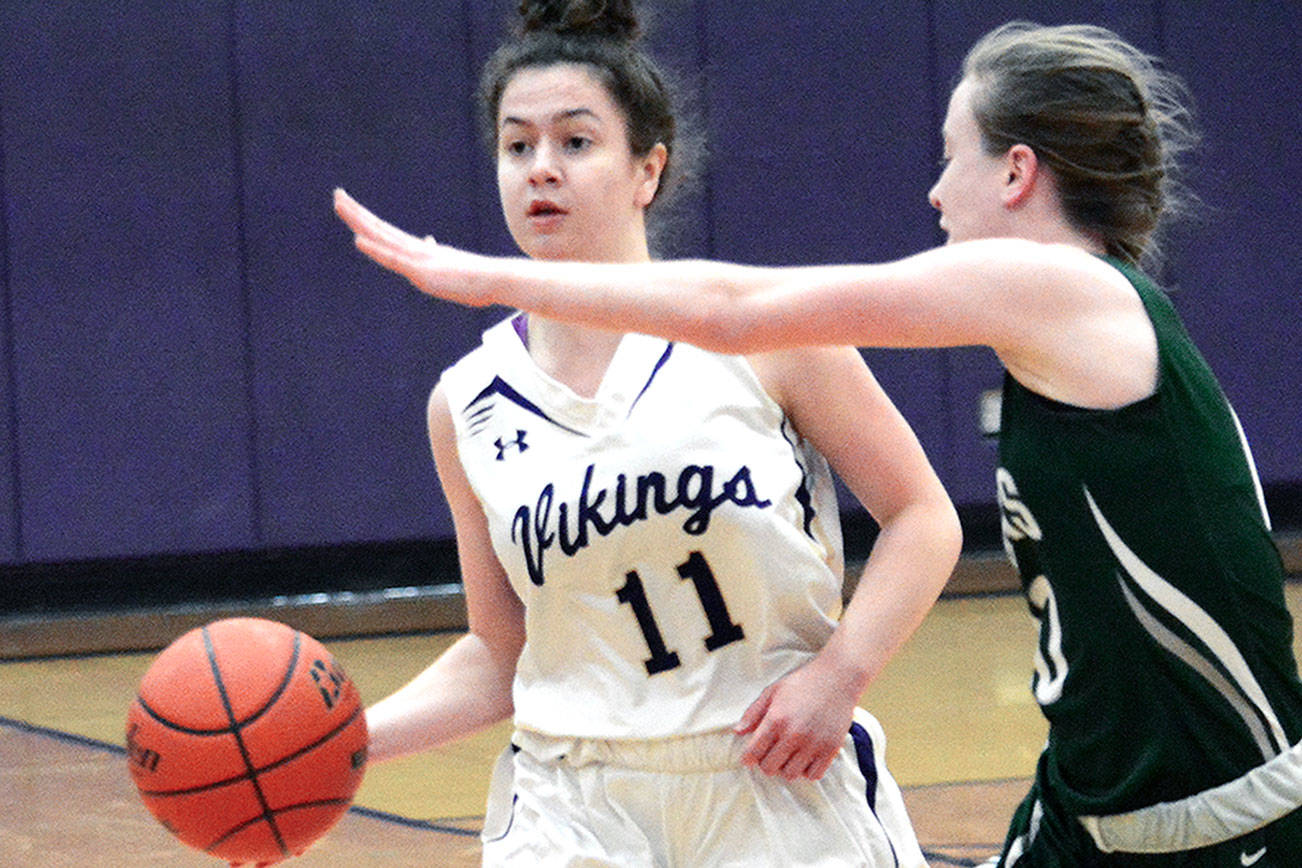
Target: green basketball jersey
(1164, 664)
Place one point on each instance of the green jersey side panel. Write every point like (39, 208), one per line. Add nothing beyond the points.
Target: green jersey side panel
(1165, 664)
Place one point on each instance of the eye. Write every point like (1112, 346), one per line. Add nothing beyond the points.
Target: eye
(515, 147)
(578, 143)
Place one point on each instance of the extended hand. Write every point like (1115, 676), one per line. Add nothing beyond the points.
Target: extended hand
(433, 268)
(798, 724)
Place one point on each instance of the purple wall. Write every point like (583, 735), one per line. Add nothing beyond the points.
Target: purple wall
(131, 429)
(1239, 274)
(196, 360)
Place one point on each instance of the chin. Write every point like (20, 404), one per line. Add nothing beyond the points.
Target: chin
(552, 252)
(535, 247)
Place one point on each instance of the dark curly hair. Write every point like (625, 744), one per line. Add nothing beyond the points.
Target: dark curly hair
(602, 35)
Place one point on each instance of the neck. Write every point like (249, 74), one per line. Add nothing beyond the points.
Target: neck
(579, 355)
(574, 355)
(1053, 227)
(1042, 218)
(1067, 234)
(632, 251)
(558, 337)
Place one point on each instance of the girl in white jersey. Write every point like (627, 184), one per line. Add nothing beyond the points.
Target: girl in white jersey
(1130, 504)
(648, 535)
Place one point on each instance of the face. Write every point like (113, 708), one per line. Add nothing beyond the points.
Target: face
(968, 192)
(569, 184)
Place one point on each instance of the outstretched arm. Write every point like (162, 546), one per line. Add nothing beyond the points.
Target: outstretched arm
(996, 292)
(1064, 322)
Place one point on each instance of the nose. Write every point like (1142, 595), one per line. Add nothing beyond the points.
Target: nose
(932, 195)
(544, 170)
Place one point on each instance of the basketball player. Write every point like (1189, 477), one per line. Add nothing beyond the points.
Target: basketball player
(648, 532)
(1130, 503)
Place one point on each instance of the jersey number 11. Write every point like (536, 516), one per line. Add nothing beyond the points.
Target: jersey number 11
(722, 629)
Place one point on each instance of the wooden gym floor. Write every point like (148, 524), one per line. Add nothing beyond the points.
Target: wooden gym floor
(963, 735)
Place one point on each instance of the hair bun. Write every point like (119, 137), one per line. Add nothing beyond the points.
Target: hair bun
(603, 18)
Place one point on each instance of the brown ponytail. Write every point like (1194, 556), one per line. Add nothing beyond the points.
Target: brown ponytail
(1107, 121)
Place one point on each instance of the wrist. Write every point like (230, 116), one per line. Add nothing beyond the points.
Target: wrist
(846, 665)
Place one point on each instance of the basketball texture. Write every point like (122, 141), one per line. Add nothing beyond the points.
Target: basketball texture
(246, 740)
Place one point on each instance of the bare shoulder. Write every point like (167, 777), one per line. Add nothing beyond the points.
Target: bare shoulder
(1084, 336)
(792, 373)
(437, 409)
(997, 292)
(442, 435)
(1035, 272)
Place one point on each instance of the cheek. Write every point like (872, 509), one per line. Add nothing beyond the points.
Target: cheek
(504, 178)
(959, 186)
(509, 186)
(508, 198)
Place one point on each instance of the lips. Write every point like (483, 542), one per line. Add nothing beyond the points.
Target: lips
(544, 208)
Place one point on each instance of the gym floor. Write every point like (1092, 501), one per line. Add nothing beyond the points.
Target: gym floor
(963, 735)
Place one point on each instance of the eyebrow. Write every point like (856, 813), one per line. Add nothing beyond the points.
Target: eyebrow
(567, 114)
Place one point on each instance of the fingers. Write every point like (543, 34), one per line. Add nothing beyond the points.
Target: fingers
(350, 211)
(793, 734)
(385, 255)
(819, 768)
(436, 269)
(791, 759)
(366, 224)
(759, 747)
(788, 754)
(755, 713)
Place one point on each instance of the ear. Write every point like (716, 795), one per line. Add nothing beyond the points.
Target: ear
(1022, 171)
(650, 168)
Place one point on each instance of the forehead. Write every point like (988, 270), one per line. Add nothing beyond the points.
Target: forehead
(959, 118)
(538, 94)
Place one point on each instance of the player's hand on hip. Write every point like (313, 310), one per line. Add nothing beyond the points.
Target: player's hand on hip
(433, 268)
(797, 725)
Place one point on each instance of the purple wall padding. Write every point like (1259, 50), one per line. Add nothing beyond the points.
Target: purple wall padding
(128, 337)
(9, 513)
(369, 97)
(1239, 269)
(196, 359)
(823, 152)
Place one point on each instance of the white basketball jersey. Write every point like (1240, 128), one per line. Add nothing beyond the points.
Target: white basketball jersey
(676, 545)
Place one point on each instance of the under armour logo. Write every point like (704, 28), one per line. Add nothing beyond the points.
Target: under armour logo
(503, 445)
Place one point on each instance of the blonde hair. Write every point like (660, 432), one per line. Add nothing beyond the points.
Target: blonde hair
(1108, 122)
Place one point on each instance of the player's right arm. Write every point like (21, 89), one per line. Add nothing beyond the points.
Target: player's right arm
(468, 687)
(1065, 323)
(976, 293)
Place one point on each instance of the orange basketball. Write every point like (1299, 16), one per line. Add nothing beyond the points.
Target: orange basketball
(247, 740)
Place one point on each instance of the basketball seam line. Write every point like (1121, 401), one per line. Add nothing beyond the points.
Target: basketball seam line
(239, 741)
(235, 830)
(235, 724)
(260, 770)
